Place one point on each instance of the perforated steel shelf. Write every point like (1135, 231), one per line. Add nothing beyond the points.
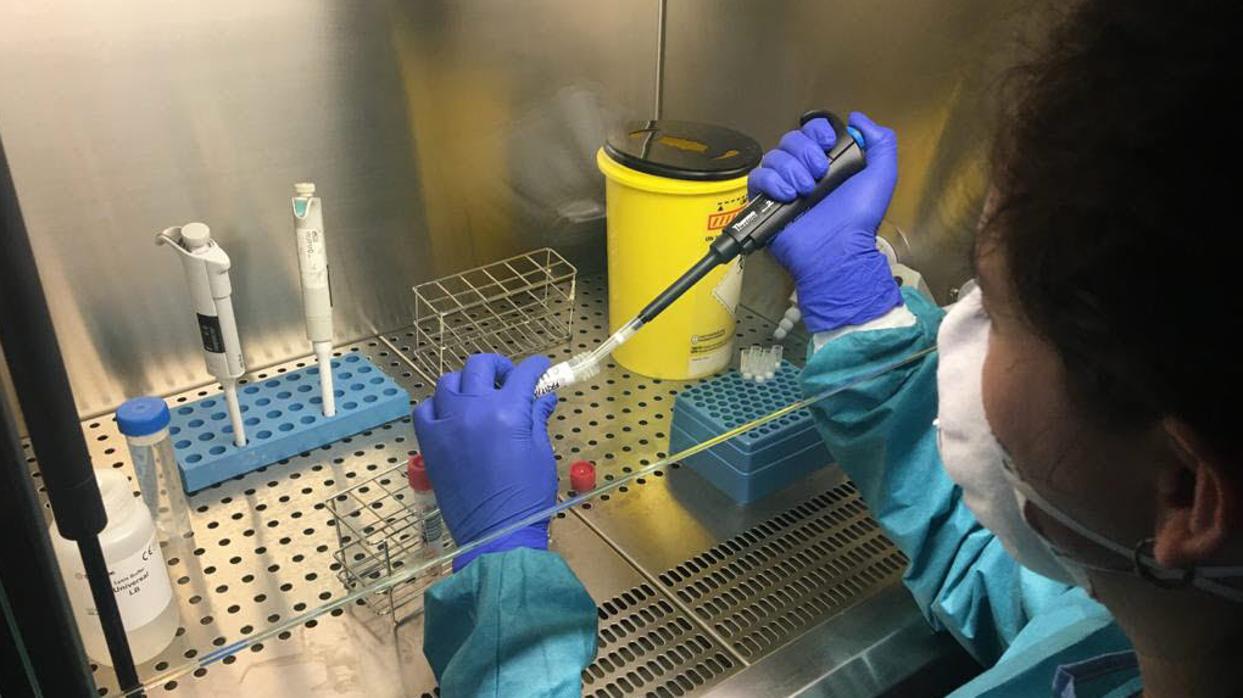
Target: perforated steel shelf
(618, 419)
(262, 550)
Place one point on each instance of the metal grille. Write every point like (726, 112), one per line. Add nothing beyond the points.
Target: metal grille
(516, 306)
(768, 585)
(648, 645)
(379, 532)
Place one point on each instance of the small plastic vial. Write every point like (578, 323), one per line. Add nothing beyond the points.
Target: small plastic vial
(144, 422)
(136, 567)
(436, 539)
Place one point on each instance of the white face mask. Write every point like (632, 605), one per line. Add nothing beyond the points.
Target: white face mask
(991, 487)
(1206, 577)
(971, 454)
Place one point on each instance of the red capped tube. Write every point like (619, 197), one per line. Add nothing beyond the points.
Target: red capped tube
(582, 476)
(416, 471)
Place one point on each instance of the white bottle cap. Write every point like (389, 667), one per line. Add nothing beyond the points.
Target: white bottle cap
(304, 188)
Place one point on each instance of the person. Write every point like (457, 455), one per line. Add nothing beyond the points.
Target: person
(1063, 472)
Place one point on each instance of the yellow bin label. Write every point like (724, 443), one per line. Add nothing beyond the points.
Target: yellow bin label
(657, 228)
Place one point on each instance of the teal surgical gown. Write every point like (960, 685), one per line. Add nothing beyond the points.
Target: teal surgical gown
(520, 623)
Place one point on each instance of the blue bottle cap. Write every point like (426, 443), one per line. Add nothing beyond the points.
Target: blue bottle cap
(142, 415)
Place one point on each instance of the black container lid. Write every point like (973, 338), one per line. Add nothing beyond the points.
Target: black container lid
(683, 150)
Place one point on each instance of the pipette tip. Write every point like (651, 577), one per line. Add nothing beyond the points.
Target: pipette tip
(579, 368)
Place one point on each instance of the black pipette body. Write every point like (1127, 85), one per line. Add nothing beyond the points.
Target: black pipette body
(762, 218)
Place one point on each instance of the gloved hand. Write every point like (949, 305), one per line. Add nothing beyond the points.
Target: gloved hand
(487, 451)
(830, 251)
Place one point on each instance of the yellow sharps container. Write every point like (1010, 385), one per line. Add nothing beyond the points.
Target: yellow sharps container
(671, 187)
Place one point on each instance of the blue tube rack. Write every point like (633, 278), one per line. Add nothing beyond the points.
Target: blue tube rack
(283, 417)
(757, 462)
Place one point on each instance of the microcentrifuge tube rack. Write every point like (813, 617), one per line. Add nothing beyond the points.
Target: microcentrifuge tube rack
(517, 306)
(760, 364)
(379, 534)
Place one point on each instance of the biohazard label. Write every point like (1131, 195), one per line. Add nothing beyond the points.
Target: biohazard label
(724, 212)
(718, 221)
(710, 352)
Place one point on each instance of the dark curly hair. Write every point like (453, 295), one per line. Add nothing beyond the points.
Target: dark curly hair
(1114, 175)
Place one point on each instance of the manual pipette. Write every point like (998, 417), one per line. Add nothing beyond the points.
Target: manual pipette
(756, 224)
(308, 225)
(207, 273)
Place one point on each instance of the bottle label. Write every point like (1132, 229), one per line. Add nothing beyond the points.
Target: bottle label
(139, 583)
(433, 528)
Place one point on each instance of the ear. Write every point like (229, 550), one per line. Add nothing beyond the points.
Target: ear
(1199, 507)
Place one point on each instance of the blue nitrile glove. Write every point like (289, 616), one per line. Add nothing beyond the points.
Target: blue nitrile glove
(487, 451)
(842, 279)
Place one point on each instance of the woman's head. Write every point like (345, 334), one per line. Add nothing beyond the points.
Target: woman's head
(1107, 262)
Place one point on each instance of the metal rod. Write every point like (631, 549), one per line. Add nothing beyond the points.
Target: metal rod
(31, 587)
(43, 391)
(661, 15)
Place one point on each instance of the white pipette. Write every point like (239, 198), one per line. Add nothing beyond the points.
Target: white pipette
(308, 225)
(207, 273)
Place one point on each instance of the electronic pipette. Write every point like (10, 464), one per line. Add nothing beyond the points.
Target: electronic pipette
(207, 272)
(756, 224)
(308, 225)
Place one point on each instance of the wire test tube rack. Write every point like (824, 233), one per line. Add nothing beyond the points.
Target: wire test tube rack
(516, 307)
(380, 532)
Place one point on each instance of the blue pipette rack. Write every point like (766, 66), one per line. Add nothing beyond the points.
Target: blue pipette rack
(283, 417)
(757, 462)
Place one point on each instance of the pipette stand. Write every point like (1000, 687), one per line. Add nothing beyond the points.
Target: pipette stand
(283, 417)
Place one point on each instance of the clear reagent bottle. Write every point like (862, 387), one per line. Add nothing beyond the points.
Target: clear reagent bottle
(137, 570)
